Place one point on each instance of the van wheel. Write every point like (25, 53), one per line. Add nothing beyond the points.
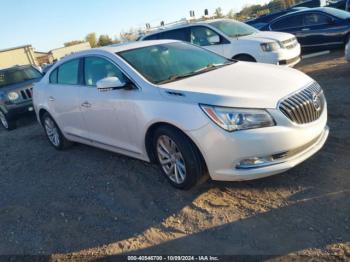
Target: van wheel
(246, 58)
(53, 133)
(178, 158)
(6, 123)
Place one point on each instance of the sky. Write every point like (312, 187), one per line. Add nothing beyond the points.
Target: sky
(47, 24)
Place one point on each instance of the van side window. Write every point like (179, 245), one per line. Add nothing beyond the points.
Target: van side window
(97, 68)
(177, 34)
(53, 76)
(68, 73)
(204, 36)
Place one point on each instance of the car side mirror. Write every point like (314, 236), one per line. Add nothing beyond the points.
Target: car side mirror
(110, 83)
(214, 39)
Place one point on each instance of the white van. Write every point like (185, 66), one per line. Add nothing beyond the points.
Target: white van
(236, 40)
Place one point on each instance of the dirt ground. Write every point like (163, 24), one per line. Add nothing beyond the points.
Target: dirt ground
(85, 201)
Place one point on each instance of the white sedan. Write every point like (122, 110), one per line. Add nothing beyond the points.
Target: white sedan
(190, 110)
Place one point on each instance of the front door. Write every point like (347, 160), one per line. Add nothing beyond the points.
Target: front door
(109, 115)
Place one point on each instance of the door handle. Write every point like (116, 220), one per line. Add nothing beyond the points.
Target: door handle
(51, 98)
(86, 104)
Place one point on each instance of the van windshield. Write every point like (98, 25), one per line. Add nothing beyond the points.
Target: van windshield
(234, 28)
(17, 75)
(169, 62)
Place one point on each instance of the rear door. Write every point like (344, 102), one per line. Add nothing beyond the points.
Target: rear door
(64, 98)
(290, 24)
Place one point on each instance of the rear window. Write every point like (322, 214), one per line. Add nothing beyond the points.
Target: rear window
(177, 34)
(68, 73)
(17, 75)
(288, 22)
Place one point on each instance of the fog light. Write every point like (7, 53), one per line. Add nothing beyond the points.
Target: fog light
(255, 162)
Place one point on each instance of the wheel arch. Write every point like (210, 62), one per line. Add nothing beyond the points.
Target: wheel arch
(149, 138)
(244, 54)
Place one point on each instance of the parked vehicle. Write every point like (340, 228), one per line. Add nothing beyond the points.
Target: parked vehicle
(16, 84)
(347, 51)
(316, 28)
(233, 39)
(263, 20)
(187, 109)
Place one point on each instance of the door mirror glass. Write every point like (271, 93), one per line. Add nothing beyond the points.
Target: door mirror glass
(110, 83)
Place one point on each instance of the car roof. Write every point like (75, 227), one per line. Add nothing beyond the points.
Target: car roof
(15, 67)
(184, 25)
(306, 10)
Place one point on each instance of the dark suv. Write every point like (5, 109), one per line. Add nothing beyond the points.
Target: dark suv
(16, 84)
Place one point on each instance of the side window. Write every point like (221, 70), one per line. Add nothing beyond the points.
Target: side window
(152, 37)
(288, 22)
(96, 68)
(53, 77)
(68, 73)
(203, 36)
(178, 34)
(316, 19)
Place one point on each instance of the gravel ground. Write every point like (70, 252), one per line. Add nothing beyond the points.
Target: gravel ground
(86, 201)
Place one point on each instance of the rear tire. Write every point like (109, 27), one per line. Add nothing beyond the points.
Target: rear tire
(53, 133)
(178, 158)
(246, 58)
(7, 123)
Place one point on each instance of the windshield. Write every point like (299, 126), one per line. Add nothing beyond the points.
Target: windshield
(169, 62)
(337, 12)
(234, 28)
(16, 75)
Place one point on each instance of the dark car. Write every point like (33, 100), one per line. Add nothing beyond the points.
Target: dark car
(316, 29)
(263, 20)
(340, 4)
(16, 84)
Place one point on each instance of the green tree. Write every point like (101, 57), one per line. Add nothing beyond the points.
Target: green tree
(218, 13)
(74, 42)
(231, 14)
(104, 40)
(92, 39)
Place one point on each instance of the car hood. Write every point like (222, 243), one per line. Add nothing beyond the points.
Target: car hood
(242, 84)
(19, 86)
(264, 36)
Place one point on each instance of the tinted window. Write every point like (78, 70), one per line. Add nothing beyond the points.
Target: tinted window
(288, 22)
(152, 37)
(316, 19)
(53, 77)
(178, 34)
(167, 62)
(97, 68)
(17, 75)
(68, 73)
(203, 36)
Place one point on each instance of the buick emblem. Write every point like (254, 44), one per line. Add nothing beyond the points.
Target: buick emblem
(316, 101)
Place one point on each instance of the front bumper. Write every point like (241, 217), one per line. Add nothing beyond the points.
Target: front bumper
(284, 56)
(14, 111)
(224, 151)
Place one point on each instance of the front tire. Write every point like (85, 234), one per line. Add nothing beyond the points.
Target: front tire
(53, 133)
(178, 158)
(7, 123)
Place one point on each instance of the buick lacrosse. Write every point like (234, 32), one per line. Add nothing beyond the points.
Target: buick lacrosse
(193, 112)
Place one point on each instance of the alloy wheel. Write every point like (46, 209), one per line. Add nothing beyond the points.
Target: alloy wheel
(52, 131)
(171, 159)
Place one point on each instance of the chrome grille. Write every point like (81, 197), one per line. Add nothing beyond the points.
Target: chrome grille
(290, 43)
(26, 93)
(304, 106)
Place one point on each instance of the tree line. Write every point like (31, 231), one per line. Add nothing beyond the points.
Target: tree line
(249, 11)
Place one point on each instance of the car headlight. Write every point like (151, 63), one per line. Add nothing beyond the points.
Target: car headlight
(13, 96)
(233, 119)
(269, 47)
